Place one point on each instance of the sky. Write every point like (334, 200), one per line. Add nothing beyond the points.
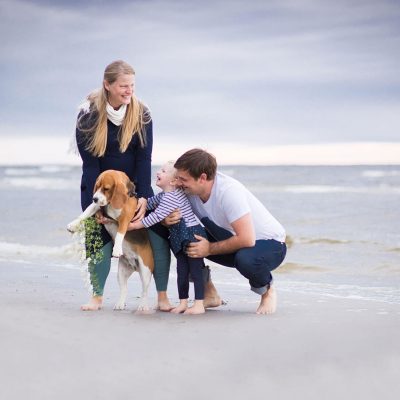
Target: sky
(236, 77)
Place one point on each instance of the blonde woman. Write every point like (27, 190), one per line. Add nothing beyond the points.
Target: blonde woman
(114, 131)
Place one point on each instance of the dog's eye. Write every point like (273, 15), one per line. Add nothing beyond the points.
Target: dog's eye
(105, 189)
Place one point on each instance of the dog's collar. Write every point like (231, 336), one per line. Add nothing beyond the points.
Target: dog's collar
(104, 210)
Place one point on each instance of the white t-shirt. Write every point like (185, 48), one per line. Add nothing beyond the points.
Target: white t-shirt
(230, 200)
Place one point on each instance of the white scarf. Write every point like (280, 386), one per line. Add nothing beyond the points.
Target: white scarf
(116, 116)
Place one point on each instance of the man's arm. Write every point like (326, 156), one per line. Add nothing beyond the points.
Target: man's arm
(245, 237)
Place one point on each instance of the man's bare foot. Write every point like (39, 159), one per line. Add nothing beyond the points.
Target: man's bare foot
(181, 308)
(95, 304)
(211, 296)
(197, 308)
(163, 303)
(268, 302)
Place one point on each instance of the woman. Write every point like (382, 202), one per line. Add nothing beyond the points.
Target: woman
(114, 131)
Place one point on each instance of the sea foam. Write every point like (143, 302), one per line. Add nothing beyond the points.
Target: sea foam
(14, 251)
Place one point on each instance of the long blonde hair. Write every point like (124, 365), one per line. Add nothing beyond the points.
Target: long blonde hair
(136, 117)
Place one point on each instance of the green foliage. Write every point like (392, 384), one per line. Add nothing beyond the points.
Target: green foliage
(92, 253)
(94, 244)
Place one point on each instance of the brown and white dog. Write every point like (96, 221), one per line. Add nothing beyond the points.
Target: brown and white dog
(113, 193)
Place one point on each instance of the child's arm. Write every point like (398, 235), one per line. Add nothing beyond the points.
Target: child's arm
(154, 201)
(169, 202)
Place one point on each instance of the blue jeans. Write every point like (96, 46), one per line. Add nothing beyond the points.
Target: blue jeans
(255, 263)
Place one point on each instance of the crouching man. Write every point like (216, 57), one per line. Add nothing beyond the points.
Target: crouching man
(241, 232)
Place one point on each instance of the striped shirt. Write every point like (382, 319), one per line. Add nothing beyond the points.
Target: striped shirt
(164, 203)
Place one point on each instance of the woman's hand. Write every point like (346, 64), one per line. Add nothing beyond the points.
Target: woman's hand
(172, 218)
(101, 219)
(140, 209)
(135, 225)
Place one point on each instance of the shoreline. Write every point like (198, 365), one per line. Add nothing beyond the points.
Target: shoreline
(313, 347)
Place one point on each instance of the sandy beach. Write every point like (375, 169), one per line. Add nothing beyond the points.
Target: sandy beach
(314, 347)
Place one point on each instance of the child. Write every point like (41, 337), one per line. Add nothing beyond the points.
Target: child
(181, 234)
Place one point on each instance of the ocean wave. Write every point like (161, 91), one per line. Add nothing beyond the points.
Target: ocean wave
(18, 251)
(387, 294)
(21, 171)
(35, 170)
(295, 267)
(324, 189)
(303, 240)
(394, 249)
(54, 169)
(377, 173)
(382, 189)
(40, 183)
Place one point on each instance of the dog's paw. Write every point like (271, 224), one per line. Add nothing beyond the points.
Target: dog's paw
(120, 306)
(117, 252)
(73, 226)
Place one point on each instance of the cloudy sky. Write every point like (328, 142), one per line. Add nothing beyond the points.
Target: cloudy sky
(255, 73)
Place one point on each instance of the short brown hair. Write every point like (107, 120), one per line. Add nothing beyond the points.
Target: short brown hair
(197, 162)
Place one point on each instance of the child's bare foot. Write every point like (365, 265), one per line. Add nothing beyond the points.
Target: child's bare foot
(95, 304)
(197, 308)
(211, 296)
(163, 303)
(268, 302)
(181, 308)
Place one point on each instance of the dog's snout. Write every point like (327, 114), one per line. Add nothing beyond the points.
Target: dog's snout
(95, 199)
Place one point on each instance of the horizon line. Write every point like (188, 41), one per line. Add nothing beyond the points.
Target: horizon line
(17, 151)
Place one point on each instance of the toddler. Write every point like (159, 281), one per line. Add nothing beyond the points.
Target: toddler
(181, 234)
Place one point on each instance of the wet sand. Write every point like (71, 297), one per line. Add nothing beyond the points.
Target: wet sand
(314, 347)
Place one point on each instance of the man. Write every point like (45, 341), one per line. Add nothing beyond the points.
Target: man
(241, 231)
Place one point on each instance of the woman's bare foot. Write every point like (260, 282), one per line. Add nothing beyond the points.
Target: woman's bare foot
(95, 304)
(211, 296)
(163, 303)
(181, 308)
(268, 302)
(197, 308)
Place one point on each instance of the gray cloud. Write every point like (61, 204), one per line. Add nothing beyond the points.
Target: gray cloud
(268, 71)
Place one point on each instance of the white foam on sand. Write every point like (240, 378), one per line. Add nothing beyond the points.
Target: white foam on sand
(67, 256)
(230, 277)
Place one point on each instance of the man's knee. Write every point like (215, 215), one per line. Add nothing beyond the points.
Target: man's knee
(243, 260)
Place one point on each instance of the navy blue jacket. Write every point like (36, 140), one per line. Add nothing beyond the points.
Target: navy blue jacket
(135, 161)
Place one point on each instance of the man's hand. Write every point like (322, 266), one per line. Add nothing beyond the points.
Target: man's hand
(244, 237)
(172, 218)
(140, 209)
(198, 249)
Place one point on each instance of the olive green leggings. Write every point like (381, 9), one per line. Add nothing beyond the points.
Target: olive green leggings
(162, 258)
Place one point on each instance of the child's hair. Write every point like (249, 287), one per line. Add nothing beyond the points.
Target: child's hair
(170, 165)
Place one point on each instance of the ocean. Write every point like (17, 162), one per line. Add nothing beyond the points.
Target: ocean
(342, 224)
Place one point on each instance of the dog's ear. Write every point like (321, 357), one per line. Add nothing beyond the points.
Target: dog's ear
(131, 188)
(97, 184)
(119, 196)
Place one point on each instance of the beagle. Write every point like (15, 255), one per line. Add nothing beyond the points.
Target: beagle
(114, 194)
